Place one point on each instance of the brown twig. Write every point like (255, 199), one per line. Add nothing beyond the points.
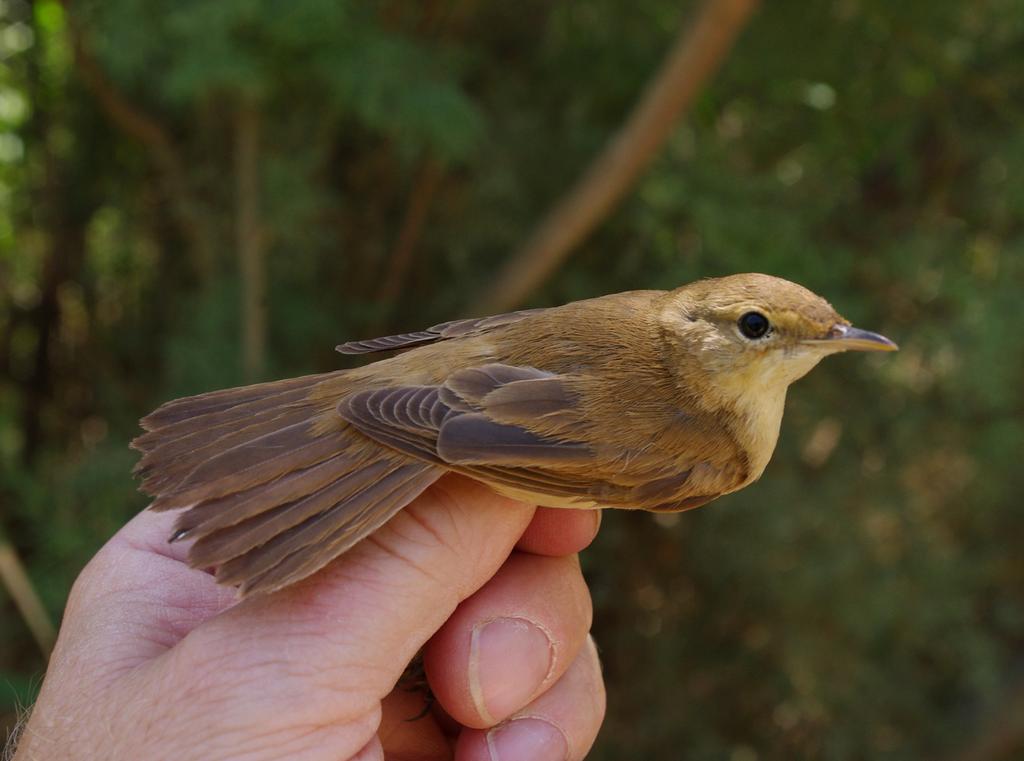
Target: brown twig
(401, 257)
(134, 122)
(21, 590)
(251, 240)
(696, 55)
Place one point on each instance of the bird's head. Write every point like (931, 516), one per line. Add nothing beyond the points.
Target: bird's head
(755, 333)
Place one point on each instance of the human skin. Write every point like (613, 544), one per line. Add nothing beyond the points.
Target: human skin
(156, 661)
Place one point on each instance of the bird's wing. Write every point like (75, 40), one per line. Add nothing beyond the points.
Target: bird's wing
(269, 484)
(462, 421)
(440, 332)
(518, 427)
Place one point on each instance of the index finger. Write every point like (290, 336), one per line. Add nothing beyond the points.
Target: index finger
(558, 531)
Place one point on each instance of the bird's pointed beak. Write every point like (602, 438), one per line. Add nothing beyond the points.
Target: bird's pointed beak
(849, 338)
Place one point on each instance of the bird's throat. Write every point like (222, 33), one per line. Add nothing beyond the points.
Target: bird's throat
(756, 427)
(752, 402)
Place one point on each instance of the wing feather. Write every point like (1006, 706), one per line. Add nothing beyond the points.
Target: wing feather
(474, 384)
(531, 399)
(479, 423)
(379, 507)
(471, 439)
(188, 408)
(233, 542)
(236, 508)
(385, 416)
(260, 476)
(441, 332)
(363, 512)
(255, 462)
(167, 465)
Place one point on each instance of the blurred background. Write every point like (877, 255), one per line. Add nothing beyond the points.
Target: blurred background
(196, 194)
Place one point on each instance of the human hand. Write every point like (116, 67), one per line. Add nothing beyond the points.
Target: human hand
(155, 660)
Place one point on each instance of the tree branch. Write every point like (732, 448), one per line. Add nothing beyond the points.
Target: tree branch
(401, 257)
(250, 240)
(19, 586)
(147, 130)
(696, 55)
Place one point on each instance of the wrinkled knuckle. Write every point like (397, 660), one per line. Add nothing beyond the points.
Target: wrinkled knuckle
(289, 735)
(351, 689)
(441, 525)
(206, 661)
(264, 741)
(276, 679)
(450, 524)
(414, 539)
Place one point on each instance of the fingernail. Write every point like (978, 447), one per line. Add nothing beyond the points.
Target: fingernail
(534, 739)
(509, 659)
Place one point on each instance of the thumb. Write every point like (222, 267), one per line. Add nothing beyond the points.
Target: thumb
(133, 601)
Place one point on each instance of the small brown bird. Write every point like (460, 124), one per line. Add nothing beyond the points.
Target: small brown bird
(657, 400)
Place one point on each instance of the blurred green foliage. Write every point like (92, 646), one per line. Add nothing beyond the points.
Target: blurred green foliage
(863, 601)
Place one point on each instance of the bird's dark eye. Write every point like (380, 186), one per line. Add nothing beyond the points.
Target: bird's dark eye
(754, 325)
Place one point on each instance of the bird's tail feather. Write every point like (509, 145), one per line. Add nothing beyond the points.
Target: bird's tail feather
(271, 482)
